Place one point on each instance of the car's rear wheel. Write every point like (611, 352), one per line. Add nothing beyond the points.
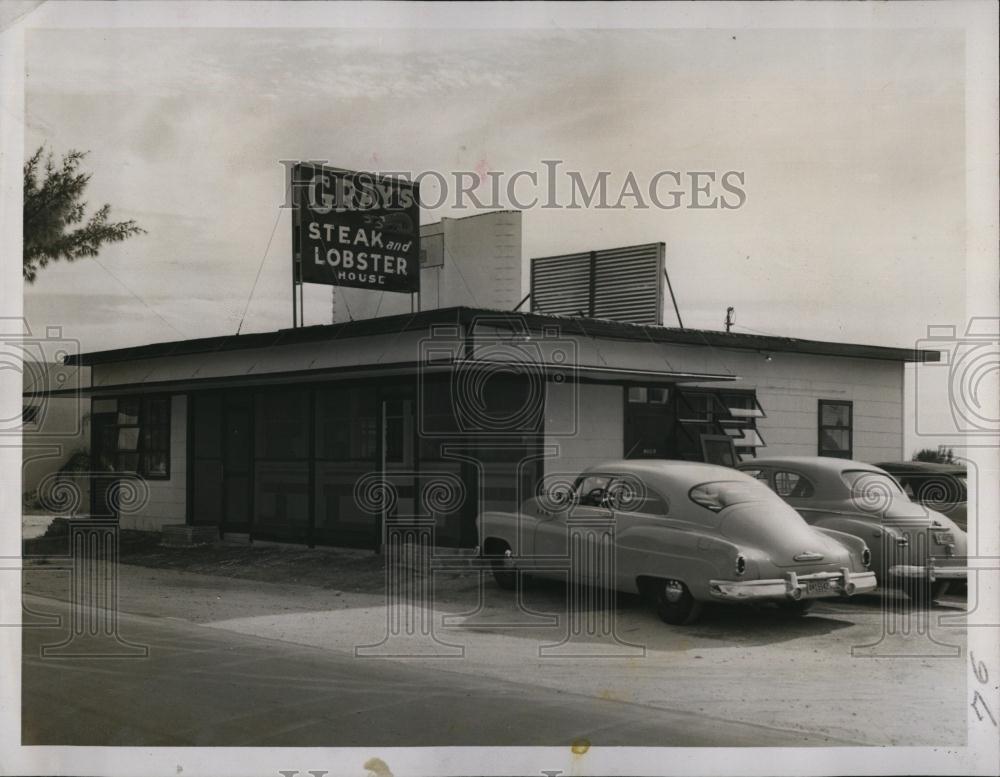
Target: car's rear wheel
(503, 572)
(673, 601)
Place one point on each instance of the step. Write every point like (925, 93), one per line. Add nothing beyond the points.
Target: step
(184, 536)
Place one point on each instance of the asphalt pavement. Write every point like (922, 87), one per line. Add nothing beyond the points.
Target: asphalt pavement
(204, 686)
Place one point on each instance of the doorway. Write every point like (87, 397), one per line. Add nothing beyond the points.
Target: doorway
(222, 467)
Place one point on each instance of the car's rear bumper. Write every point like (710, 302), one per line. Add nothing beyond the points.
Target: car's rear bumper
(929, 572)
(795, 587)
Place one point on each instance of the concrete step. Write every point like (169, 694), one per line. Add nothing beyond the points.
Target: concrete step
(184, 536)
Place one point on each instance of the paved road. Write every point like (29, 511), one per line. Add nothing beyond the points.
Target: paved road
(203, 686)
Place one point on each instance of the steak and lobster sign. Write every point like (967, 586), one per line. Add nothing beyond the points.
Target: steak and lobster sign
(356, 229)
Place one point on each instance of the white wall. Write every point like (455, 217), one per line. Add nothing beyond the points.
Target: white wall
(585, 422)
(167, 498)
(790, 386)
(482, 268)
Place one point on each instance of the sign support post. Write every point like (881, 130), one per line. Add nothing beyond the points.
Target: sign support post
(296, 252)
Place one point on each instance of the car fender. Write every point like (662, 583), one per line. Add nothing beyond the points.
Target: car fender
(498, 526)
(855, 544)
(664, 551)
(865, 527)
(880, 538)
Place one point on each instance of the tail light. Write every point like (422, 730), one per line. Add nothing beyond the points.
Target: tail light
(866, 558)
(741, 564)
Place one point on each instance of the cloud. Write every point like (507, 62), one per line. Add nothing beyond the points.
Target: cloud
(851, 140)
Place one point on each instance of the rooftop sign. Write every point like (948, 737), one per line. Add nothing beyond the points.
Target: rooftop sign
(356, 229)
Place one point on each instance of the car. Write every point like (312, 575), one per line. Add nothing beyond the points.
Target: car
(683, 533)
(941, 487)
(913, 547)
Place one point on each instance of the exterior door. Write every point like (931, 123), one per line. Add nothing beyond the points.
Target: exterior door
(649, 422)
(398, 448)
(222, 451)
(237, 463)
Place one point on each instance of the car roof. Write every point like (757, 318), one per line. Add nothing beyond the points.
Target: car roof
(922, 467)
(813, 463)
(688, 470)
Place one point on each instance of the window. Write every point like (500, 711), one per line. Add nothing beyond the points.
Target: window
(282, 428)
(653, 395)
(399, 431)
(866, 482)
(346, 424)
(154, 437)
(132, 434)
(714, 411)
(720, 494)
(792, 484)
(759, 474)
(718, 449)
(944, 490)
(592, 490)
(625, 497)
(835, 428)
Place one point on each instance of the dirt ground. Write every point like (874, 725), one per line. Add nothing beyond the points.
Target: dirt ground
(342, 569)
(834, 674)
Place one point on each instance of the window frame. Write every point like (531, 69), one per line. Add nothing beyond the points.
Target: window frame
(810, 486)
(821, 427)
(581, 479)
(650, 494)
(143, 434)
(718, 414)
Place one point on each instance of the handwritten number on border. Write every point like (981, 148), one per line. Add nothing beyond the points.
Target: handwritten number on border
(978, 701)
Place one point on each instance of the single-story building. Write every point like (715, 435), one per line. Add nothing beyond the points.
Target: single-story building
(314, 434)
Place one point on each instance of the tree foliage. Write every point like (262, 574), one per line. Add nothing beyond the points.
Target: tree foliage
(940, 456)
(53, 206)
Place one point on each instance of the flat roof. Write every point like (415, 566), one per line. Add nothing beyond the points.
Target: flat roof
(534, 322)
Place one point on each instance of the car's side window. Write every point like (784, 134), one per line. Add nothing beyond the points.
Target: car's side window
(592, 490)
(630, 498)
(759, 474)
(792, 485)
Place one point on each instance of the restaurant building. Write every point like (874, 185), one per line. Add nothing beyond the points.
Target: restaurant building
(318, 434)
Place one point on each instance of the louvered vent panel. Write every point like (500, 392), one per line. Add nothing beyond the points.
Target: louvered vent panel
(617, 284)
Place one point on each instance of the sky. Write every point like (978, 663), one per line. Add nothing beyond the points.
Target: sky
(851, 143)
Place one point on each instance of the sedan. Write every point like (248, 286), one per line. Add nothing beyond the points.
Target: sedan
(913, 547)
(941, 487)
(681, 533)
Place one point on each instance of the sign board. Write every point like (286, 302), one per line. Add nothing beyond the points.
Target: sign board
(356, 229)
(618, 284)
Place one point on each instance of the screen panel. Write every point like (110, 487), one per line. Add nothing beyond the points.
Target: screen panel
(617, 284)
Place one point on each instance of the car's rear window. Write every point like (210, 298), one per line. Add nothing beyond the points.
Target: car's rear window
(720, 494)
(868, 483)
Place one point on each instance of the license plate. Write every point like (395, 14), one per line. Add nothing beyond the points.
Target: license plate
(944, 538)
(818, 586)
